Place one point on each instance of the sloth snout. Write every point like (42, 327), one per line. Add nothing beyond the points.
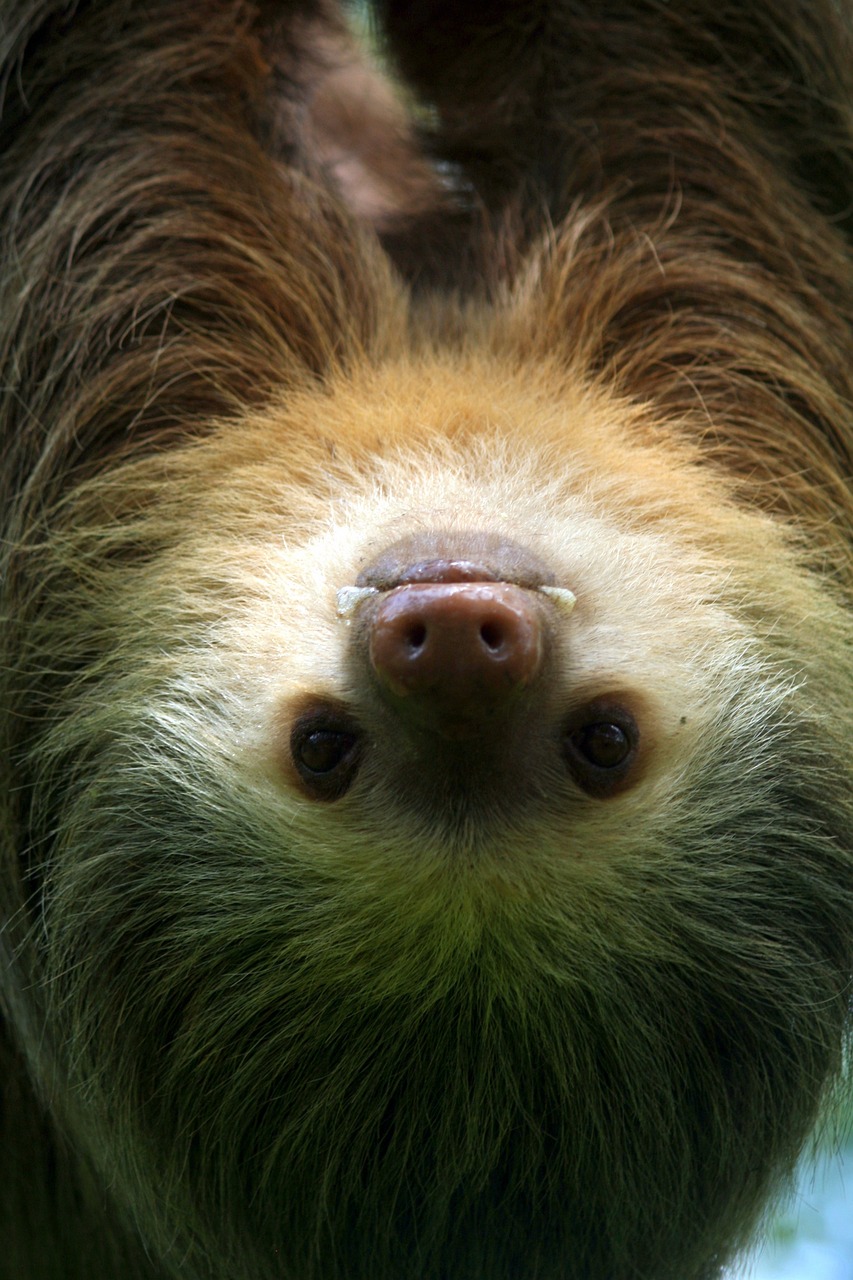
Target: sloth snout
(453, 655)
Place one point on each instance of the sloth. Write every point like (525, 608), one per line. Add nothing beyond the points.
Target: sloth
(427, 666)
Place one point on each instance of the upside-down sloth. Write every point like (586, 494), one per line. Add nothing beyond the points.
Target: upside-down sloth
(426, 651)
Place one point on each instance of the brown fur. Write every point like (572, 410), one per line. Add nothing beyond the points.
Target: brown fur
(466, 1022)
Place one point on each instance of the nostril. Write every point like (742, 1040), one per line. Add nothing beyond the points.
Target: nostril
(416, 636)
(493, 635)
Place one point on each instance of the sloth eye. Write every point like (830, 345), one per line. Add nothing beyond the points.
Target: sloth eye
(603, 744)
(325, 749)
(599, 745)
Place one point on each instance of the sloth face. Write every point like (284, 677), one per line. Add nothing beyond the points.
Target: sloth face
(514, 638)
(519, 637)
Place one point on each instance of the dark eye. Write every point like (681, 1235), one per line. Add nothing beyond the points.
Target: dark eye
(325, 749)
(599, 745)
(603, 744)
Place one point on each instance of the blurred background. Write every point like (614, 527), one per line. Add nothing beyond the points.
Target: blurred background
(812, 1235)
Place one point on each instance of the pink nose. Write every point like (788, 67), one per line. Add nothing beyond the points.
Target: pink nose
(456, 652)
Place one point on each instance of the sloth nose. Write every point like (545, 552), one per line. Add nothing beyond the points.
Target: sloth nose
(455, 655)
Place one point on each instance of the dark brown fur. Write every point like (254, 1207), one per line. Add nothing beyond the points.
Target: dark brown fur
(224, 1058)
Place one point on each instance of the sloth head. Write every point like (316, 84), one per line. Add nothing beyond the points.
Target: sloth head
(452, 873)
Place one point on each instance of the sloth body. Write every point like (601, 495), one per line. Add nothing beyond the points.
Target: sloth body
(426, 639)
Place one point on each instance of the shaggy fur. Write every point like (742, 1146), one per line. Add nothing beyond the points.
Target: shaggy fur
(465, 1021)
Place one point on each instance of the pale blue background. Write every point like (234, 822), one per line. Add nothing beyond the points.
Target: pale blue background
(812, 1238)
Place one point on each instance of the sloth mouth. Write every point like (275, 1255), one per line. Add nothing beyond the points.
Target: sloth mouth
(444, 572)
(458, 556)
(448, 570)
(437, 572)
